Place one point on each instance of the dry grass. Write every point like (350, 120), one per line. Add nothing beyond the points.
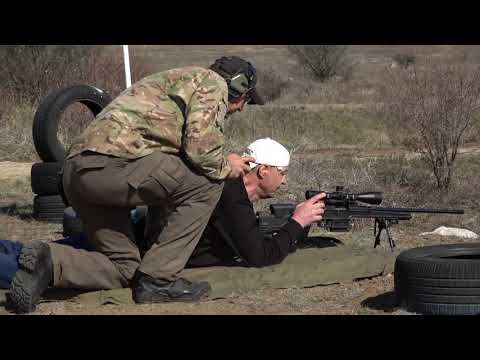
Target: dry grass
(16, 119)
(16, 209)
(304, 129)
(346, 103)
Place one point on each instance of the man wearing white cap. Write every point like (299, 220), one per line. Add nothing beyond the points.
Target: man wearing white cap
(232, 235)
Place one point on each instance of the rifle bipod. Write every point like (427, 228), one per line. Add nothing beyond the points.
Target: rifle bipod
(383, 224)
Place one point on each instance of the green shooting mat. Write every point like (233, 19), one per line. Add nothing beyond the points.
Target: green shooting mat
(325, 264)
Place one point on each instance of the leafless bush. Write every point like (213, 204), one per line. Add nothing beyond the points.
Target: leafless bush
(430, 109)
(323, 61)
(31, 71)
(106, 70)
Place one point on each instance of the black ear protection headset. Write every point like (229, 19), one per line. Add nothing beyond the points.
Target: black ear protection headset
(240, 75)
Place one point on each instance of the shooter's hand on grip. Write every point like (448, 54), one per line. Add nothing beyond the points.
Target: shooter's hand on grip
(310, 211)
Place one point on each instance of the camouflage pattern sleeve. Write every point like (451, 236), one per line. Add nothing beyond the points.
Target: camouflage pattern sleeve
(204, 141)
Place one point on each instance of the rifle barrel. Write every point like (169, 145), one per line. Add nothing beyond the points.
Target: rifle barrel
(407, 210)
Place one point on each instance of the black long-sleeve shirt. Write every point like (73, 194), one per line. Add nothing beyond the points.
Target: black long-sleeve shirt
(235, 213)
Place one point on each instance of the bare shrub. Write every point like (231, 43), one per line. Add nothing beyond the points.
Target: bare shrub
(106, 70)
(323, 61)
(430, 109)
(31, 71)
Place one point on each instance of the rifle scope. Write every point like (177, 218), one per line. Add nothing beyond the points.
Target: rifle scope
(373, 198)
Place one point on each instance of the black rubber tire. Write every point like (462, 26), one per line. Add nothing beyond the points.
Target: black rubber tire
(72, 225)
(440, 280)
(48, 208)
(44, 178)
(47, 117)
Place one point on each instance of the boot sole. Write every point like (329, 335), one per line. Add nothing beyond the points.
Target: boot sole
(21, 300)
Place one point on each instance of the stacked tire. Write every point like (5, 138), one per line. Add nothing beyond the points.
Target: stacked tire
(48, 203)
(440, 279)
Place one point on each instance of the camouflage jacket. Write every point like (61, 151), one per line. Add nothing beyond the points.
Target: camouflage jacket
(179, 111)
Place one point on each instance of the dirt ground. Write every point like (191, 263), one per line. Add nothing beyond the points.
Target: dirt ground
(366, 297)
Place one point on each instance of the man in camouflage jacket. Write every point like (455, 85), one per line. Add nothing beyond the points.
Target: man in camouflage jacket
(160, 141)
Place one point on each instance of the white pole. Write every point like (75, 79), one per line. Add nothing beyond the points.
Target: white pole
(126, 60)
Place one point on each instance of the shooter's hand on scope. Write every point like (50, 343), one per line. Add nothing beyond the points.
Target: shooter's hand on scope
(310, 211)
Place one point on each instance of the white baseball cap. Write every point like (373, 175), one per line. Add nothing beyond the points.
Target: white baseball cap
(268, 152)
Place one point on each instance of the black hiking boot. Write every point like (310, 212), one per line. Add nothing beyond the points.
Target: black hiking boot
(33, 277)
(146, 289)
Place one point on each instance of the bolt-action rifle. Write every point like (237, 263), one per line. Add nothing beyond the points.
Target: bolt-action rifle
(342, 207)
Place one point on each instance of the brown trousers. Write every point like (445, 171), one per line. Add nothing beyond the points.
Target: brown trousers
(103, 190)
